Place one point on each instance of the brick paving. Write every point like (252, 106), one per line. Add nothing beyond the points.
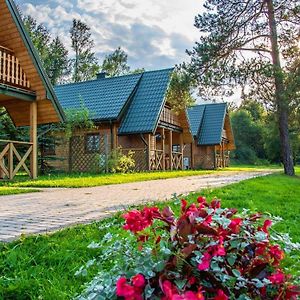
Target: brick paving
(52, 209)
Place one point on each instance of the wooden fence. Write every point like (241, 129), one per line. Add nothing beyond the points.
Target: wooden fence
(14, 155)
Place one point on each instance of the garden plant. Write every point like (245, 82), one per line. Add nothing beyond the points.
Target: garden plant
(207, 252)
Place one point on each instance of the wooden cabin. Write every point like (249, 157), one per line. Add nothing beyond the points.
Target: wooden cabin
(25, 92)
(212, 134)
(130, 112)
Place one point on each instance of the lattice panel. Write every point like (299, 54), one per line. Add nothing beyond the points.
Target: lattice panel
(84, 160)
(140, 158)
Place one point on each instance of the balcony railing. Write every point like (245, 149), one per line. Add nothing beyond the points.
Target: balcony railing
(168, 116)
(11, 73)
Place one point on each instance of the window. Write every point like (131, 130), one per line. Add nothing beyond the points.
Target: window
(176, 148)
(92, 143)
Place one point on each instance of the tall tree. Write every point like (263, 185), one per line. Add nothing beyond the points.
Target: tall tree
(53, 53)
(85, 64)
(242, 44)
(115, 64)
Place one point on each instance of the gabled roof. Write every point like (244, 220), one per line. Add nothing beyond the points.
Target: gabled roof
(136, 99)
(143, 114)
(50, 95)
(207, 122)
(104, 98)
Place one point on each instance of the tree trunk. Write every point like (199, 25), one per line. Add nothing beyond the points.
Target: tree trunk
(281, 101)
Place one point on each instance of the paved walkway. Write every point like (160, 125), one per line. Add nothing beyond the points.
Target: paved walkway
(52, 209)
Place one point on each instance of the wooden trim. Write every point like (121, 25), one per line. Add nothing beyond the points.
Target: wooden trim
(181, 149)
(163, 150)
(33, 139)
(149, 152)
(171, 149)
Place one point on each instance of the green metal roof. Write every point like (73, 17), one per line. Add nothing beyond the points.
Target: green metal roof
(207, 128)
(105, 98)
(143, 113)
(35, 57)
(136, 99)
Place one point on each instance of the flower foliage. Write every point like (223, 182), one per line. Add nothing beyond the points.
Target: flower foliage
(208, 253)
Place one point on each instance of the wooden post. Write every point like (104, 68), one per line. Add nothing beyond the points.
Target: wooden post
(171, 149)
(223, 155)
(10, 161)
(163, 150)
(192, 155)
(149, 151)
(181, 149)
(33, 139)
(115, 136)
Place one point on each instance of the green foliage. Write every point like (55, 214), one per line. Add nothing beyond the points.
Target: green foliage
(77, 118)
(85, 63)
(115, 64)
(53, 53)
(119, 162)
(179, 94)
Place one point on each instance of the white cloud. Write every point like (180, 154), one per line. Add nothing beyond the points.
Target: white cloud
(155, 33)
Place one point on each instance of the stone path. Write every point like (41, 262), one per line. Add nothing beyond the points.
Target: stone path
(52, 209)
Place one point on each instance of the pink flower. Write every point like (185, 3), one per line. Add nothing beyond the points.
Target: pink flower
(138, 281)
(183, 205)
(169, 290)
(221, 295)
(277, 278)
(292, 292)
(205, 262)
(215, 204)
(189, 295)
(276, 253)
(267, 224)
(235, 225)
(124, 289)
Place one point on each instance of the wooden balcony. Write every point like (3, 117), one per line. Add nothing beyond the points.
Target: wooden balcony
(168, 116)
(11, 73)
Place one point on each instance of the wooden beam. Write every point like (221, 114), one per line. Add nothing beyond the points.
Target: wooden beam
(163, 149)
(181, 148)
(171, 148)
(149, 151)
(33, 139)
(192, 155)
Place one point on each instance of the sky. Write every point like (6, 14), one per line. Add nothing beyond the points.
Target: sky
(154, 33)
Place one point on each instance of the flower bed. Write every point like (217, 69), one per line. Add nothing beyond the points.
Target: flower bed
(206, 253)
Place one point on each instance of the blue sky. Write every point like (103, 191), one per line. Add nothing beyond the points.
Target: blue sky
(154, 33)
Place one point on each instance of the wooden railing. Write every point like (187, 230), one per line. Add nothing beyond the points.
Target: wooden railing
(11, 161)
(156, 160)
(168, 116)
(222, 161)
(177, 160)
(11, 72)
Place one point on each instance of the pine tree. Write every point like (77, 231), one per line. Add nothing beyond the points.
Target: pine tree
(85, 65)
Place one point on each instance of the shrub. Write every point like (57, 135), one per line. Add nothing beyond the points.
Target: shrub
(213, 254)
(206, 253)
(120, 162)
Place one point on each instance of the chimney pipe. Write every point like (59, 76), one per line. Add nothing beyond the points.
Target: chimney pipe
(101, 75)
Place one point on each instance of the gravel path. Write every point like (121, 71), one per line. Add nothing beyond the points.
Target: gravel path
(52, 209)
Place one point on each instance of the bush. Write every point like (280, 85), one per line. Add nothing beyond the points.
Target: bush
(121, 163)
(206, 253)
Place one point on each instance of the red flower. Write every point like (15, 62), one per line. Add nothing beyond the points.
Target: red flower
(183, 205)
(267, 224)
(138, 281)
(276, 253)
(235, 225)
(277, 278)
(292, 292)
(221, 295)
(205, 262)
(169, 290)
(124, 289)
(215, 204)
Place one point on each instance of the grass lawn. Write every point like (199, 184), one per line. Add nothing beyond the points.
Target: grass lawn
(43, 267)
(4, 190)
(90, 180)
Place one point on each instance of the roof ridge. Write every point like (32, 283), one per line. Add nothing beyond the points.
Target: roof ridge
(114, 77)
(204, 104)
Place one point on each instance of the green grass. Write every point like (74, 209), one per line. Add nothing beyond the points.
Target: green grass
(4, 190)
(90, 180)
(43, 267)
